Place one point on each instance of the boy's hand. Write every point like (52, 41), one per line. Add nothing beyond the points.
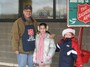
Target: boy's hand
(71, 51)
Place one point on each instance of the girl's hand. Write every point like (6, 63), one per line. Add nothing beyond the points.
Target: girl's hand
(48, 57)
(34, 60)
(41, 63)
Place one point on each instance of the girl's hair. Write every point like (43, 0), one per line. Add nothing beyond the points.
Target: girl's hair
(43, 24)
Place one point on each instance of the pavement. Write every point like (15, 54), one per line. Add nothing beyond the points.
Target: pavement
(27, 66)
(6, 66)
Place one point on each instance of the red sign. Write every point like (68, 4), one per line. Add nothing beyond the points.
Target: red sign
(83, 13)
(30, 32)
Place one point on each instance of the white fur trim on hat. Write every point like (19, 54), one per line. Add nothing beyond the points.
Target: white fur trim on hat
(68, 30)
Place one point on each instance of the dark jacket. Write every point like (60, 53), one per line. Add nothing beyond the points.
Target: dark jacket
(69, 53)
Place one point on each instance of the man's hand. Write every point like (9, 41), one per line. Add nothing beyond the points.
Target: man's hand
(17, 52)
(51, 35)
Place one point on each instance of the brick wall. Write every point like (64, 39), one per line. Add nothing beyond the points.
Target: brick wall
(8, 56)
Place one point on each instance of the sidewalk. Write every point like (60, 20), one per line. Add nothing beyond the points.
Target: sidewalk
(5, 66)
(15, 65)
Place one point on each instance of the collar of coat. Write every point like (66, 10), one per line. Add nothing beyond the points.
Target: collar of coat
(72, 39)
(46, 35)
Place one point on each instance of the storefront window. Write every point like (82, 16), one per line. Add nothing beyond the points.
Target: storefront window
(52, 10)
(42, 9)
(9, 9)
(60, 9)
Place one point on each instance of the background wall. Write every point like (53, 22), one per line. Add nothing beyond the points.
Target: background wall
(8, 56)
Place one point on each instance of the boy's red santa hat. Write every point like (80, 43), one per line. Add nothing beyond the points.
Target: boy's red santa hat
(68, 30)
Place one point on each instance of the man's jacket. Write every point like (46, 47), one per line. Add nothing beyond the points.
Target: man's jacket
(17, 32)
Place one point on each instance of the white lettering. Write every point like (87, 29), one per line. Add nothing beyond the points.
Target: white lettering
(83, 8)
(81, 1)
(86, 17)
(73, 1)
(84, 13)
(86, 1)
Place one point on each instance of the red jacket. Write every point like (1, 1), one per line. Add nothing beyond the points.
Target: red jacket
(77, 48)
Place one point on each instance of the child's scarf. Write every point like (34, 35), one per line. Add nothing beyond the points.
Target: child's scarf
(40, 48)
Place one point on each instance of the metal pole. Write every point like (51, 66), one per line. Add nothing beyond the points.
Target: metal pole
(80, 36)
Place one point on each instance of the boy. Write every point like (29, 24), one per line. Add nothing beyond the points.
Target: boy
(69, 49)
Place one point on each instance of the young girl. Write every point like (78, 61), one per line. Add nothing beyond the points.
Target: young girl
(69, 49)
(45, 47)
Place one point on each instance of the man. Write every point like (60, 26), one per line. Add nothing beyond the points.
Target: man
(23, 37)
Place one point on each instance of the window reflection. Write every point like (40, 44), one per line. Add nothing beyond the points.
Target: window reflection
(9, 9)
(42, 9)
(60, 9)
